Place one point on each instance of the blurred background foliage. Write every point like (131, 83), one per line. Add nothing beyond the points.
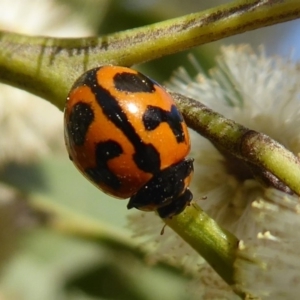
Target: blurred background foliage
(40, 263)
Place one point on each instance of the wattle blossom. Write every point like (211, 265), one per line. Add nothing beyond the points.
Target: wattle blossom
(261, 93)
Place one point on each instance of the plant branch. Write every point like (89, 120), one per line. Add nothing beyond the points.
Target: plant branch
(48, 67)
(216, 245)
(250, 146)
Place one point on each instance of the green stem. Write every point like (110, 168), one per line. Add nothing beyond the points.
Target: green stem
(48, 67)
(248, 145)
(216, 245)
(65, 221)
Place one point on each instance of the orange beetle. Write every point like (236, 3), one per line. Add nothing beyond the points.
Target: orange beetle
(124, 133)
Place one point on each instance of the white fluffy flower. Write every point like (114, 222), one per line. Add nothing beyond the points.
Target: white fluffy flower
(30, 126)
(275, 251)
(46, 17)
(263, 94)
(258, 92)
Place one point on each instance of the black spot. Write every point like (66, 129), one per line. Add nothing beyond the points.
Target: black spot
(84, 78)
(165, 189)
(80, 119)
(101, 173)
(133, 83)
(146, 156)
(153, 116)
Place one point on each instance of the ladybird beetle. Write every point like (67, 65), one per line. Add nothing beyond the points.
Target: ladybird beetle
(124, 133)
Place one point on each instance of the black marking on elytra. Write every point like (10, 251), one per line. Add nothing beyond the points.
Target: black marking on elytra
(153, 116)
(81, 81)
(101, 173)
(166, 190)
(133, 83)
(81, 117)
(146, 156)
